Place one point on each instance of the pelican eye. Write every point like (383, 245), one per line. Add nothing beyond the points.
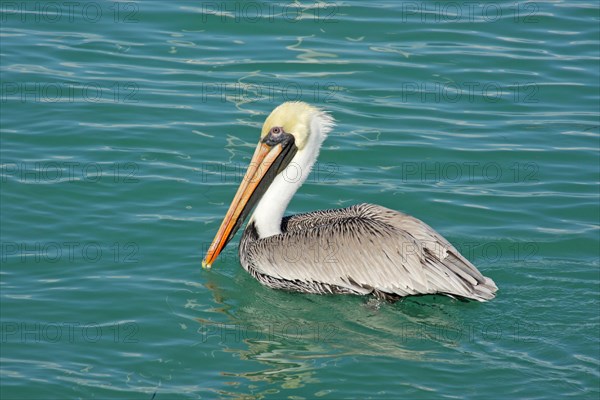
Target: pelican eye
(276, 135)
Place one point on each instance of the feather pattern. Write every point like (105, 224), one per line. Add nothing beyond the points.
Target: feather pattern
(363, 249)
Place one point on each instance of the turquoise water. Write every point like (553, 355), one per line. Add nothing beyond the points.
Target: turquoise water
(126, 127)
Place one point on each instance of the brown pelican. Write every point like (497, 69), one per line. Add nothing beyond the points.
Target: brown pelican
(363, 249)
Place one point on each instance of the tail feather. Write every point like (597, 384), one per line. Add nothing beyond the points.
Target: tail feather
(481, 287)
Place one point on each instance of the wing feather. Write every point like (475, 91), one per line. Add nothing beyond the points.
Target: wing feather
(368, 248)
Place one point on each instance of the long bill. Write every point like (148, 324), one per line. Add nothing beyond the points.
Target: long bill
(266, 163)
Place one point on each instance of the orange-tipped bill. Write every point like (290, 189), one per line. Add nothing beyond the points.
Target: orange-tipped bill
(266, 163)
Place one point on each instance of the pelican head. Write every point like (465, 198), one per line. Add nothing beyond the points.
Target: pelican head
(288, 147)
(301, 120)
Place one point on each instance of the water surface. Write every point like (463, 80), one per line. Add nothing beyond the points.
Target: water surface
(127, 126)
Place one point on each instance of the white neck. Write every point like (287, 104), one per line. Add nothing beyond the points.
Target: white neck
(269, 212)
